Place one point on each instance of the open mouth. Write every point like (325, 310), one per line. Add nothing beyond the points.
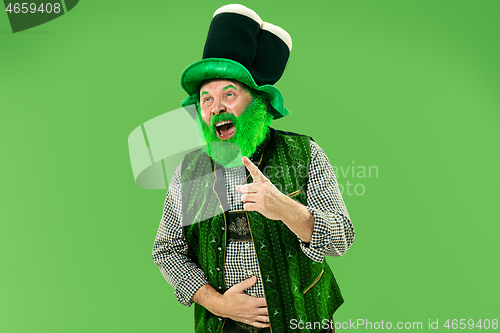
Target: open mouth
(225, 129)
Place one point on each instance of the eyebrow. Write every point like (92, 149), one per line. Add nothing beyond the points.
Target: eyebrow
(204, 93)
(229, 86)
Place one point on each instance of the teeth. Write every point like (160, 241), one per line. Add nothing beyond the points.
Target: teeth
(224, 122)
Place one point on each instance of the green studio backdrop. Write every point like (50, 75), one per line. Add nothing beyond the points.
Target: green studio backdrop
(406, 90)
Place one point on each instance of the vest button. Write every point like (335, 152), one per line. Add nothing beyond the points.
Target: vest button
(219, 248)
(220, 288)
(223, 228)
(217, 269)
(219, 319)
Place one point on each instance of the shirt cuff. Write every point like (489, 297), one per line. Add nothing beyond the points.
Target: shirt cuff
(195, 280)
(320, 237)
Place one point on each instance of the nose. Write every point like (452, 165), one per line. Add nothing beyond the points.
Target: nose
(218, 107)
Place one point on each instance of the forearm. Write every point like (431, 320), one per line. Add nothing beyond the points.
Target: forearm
(298, 218)
(333, 232)
(329, 233)
(210, 299)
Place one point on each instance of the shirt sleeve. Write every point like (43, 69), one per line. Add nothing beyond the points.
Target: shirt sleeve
(170, 250)
(333, 232)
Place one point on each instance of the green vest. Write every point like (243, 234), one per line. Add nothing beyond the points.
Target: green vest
(295, 287)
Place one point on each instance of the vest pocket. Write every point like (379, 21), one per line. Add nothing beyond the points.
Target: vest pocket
(315, 281)
(294, 193)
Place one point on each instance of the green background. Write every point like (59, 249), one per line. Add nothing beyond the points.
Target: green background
(411, 87)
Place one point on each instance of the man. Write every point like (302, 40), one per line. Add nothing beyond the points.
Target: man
(250, 255)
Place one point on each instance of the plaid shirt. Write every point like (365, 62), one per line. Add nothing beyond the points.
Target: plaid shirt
(333, 232)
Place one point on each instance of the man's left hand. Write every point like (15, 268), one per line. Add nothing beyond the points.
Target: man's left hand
(261, 195)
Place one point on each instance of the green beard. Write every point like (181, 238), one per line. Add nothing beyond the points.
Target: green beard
(252, 127)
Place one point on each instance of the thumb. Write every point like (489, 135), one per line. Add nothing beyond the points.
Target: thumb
(245, 284)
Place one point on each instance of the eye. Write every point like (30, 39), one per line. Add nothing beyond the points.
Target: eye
(230, 94)
(207, 100)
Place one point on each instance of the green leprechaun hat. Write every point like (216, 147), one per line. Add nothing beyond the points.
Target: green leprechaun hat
(240, 46)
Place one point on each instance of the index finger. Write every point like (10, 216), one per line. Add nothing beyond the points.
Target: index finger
(252, 168)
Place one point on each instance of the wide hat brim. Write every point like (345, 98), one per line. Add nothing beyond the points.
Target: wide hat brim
(219, 68)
